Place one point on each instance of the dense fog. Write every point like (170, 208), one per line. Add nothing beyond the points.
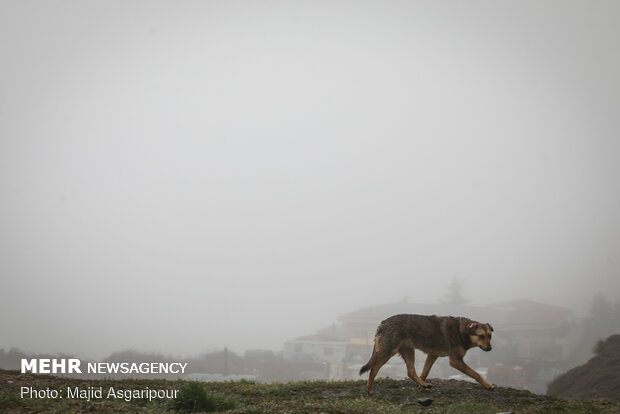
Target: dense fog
(180, 177)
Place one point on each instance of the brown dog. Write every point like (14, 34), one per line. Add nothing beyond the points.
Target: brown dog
(437, 336)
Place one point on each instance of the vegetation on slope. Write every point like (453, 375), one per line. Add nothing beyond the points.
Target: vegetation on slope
(390, 396)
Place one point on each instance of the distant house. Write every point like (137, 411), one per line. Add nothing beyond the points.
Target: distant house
(315, 348)
(537, 331)
(533, 330)
(359, 349)
(531, 336)
(359, 327)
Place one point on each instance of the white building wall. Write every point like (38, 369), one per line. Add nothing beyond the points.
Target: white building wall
(315, 350)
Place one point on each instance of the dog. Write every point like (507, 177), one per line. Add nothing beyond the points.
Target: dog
(437, 336)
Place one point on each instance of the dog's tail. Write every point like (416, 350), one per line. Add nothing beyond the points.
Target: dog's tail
(365, 368)
(369, 363)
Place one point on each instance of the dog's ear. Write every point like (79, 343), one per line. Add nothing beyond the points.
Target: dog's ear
(490, 327)
(472, 327)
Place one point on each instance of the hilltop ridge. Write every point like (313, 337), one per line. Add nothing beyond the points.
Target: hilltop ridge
(389, 396)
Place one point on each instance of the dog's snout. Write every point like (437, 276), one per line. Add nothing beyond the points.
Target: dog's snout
(488, 348)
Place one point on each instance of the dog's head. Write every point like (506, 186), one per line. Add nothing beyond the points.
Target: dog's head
(480, 335)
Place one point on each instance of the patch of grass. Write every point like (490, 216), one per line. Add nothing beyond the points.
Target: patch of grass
(291, 389)
(361, 405)
(10, 401)
(572, 407)
(472, 408)
(247, 397)
(193, 397)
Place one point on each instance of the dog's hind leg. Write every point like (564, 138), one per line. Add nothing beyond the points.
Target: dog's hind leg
(430, 360)
(408, 354)
(381, 354)
(379, 359)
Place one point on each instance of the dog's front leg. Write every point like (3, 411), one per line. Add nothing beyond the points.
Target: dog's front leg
(430, 359)
(465, 369)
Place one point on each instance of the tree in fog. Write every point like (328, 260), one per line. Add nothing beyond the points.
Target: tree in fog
(601, 308)
(604, 318)
(454, 293)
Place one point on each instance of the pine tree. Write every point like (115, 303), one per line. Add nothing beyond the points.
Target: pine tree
(454, 293)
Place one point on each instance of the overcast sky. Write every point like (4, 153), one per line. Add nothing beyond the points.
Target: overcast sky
(181, 176)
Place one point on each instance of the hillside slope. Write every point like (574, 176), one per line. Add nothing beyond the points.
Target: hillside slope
(597, 378)
(390, 396)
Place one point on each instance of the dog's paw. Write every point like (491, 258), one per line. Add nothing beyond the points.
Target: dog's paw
(489, 387)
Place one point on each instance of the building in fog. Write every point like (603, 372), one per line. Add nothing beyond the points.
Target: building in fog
(531, 337)
(315, 348)
(536, 331)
